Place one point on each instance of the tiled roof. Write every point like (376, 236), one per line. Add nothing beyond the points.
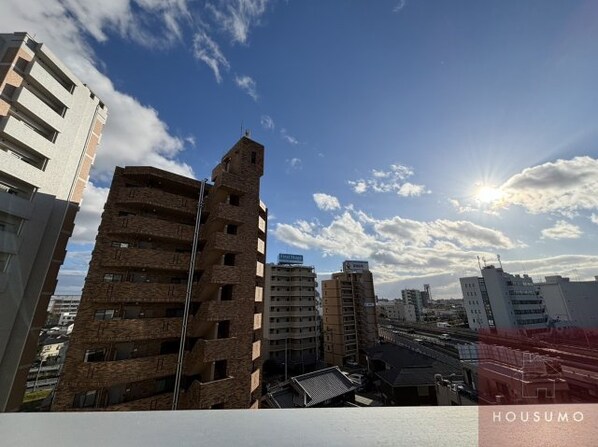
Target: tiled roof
(311, 389)
(408, 368)
(319, 386)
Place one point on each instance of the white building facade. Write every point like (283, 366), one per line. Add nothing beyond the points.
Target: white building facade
(571, 303)
(503, 302)
(50, 128)
(290, 324)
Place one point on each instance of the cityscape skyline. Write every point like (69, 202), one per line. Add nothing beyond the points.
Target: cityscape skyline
(418, 205)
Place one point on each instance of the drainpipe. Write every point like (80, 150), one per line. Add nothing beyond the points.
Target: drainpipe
(179, 365)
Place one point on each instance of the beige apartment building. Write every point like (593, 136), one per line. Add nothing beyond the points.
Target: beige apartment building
(130, 348)
(50, 128)
(350, 320)
(290, 315)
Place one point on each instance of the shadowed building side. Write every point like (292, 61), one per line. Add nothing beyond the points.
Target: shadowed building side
(125, 342)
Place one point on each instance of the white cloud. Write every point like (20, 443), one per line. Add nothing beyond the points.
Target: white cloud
(391, 180)
(289, 138)
(399, 6)
(410, 190)
(326, 202)
(248, 85)
(88, 217)
(562, 230)
(267, 122)
(295, 163)
(207, 50)
(236, 17)
(561, 187)
(594, 218)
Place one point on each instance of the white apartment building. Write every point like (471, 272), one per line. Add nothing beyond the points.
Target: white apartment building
(417, 299)
(290, 321)
(571, 303)
(50, 127)
(503, 302)
(64, 303)
(397, 310)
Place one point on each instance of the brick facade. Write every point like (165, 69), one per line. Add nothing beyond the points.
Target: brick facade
(124, 346)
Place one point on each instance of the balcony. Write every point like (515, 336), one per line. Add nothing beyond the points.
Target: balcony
(220, 275)
(157, 402)
(147, 226)
(39, 74)
(38, 108)
(227, 213)
(206, 351)
(223, 242)
(205, 394)
(142, 292)
(19, 131)
(145, 258)
(133, 329)
(212, 311)
(103, 374)
(159, 199)
(231, 182)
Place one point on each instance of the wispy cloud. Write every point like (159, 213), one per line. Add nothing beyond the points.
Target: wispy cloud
(562, 230)
(236, 17)
(295, 163)
(393, 179)
(289, 138)
(594, 218)
(399, 7)
(267, 122)
(248, 85)
(326, 202)
(208, 51)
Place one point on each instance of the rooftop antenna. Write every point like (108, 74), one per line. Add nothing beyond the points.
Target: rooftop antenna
(498, 258)
(479, 263)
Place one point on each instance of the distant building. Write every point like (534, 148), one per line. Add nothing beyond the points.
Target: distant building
(350, 319)
(571, 302)
(290, 316)
(500, 375)
(64, 303)
(416, 298)
(50, 128)
(66, 318)
(503, 302)
(327, 387)
(397, 310)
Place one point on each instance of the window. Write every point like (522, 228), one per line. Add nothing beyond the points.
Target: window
(120, 244)
(253, 157)
(113, 277)
(234, 200)
(85, 399)
(223, 329)
(231, 229)
(104, 314)
(220, 369)
(95, 355)
(229, 259)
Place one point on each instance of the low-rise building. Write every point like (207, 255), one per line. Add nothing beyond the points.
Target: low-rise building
(327, 387)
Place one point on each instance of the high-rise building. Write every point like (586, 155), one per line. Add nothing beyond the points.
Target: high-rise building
(126, 343)
(571, 303)
(350, 320)
(50, 128)
(290, 315)
(503, 302)
(417, 299)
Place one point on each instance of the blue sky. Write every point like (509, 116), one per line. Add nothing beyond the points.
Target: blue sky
(413, 134)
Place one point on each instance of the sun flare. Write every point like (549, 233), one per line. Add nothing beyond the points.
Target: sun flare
(488, 194)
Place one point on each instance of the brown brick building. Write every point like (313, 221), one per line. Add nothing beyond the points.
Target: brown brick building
(124, 347)
(350, 321)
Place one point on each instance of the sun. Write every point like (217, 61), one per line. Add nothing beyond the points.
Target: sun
(488, 194)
